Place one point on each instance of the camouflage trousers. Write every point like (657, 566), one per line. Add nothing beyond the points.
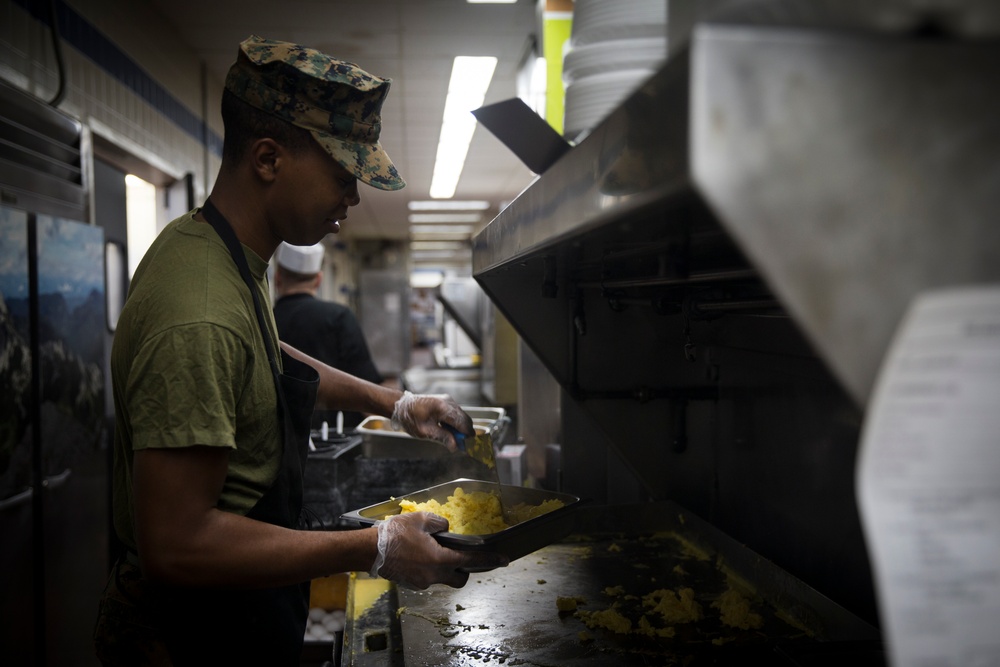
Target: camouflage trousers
(126, 633)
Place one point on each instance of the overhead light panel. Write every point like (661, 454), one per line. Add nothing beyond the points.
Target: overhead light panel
(439, 245)
(470, 79)
(445, 218)
(455, 231)
(491, 2)
(437, 255)
(449, 205)
(426, 279)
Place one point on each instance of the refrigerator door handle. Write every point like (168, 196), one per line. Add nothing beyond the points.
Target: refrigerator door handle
(55, 481)
(17, 499)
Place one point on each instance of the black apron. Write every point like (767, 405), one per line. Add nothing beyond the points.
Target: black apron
(263, 627)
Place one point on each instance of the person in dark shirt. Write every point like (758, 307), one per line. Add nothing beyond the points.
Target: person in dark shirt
(325, 330)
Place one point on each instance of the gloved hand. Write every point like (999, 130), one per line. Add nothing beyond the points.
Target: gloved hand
(421, 416)
(409, 556)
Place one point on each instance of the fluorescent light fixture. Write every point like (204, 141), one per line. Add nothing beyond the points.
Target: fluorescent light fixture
(439, 254)
(445, 218)
(450, 230)
(439, 245)
(450, 205)
(491, 2)
(470, 79)
(426, 279)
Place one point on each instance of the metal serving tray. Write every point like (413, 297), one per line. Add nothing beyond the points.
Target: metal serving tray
(489, 415)
(379, 441)
(514, 542)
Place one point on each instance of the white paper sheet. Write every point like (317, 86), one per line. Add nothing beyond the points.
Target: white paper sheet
(929, 482)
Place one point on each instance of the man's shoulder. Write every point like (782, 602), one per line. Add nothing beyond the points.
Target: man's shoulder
(308, 302)
(187, 277)
(187, 246)
(297, 314)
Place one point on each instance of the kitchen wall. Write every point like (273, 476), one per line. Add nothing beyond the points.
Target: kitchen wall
(128, 77)
(150, 107)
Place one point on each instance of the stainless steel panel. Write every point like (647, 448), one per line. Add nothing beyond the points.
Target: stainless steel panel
(462, 384)
(499, 362)
(855, 173)
(20, 557)
(54, 457)
(713, 273)
(73, 446)
(538, 415)
(463, 300)
(384, 312)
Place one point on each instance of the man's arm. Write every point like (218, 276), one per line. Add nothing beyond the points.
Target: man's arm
(421, 416)
(184, 539)
(342, 391)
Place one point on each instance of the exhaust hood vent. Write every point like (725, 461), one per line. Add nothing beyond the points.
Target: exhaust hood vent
(831, 176)
(41, 157)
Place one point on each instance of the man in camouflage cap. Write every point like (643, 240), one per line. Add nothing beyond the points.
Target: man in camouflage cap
(337, 101)
(212, 421)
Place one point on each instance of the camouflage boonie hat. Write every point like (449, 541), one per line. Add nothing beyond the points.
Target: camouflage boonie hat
(337, 101)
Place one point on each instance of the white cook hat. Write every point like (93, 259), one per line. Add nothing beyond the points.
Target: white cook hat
(305, 259)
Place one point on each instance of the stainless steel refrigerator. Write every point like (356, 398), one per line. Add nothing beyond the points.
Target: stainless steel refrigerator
(54, 453)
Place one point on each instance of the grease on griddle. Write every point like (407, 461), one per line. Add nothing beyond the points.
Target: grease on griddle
(697, 599)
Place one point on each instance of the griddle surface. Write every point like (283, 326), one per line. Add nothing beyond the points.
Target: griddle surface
(510, 615)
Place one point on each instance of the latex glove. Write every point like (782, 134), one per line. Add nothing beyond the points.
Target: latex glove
(409, 555)
(421, 415)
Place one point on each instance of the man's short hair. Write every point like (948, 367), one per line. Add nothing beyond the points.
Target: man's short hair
(245, 124)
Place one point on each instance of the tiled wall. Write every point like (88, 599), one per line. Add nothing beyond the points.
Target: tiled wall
(128, 76)
(133, 82)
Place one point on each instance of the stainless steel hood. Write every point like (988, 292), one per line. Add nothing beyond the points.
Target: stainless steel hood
(714, 273)
(852, 170)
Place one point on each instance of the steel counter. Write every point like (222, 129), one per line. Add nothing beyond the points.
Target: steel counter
(622, 559)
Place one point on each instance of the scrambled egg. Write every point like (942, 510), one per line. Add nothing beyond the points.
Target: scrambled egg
(679, 607)
(566, 603)
(609, 619)
(478, 512)
(735, 611)
(523, 512)
(646, 628)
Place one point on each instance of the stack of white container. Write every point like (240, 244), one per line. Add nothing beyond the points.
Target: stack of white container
(614, 46)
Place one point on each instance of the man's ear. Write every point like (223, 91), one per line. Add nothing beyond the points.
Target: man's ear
(265, 158)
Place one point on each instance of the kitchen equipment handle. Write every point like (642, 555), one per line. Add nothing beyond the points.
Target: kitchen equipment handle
(499, 430)
(459, 436)
(17, 499)
(55, 481)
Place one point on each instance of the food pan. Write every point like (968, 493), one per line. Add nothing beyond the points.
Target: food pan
(516, 541)
(380, 441)
(490, 415)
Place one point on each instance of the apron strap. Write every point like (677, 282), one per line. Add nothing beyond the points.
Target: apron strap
(258, 626)
(295, 386)
(228, 236)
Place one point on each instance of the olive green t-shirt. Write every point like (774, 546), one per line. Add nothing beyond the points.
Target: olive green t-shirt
(189, 367)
